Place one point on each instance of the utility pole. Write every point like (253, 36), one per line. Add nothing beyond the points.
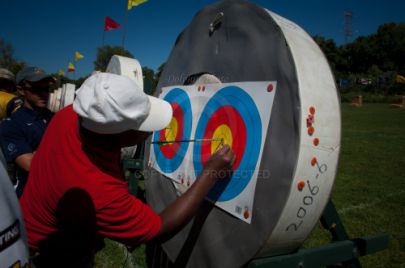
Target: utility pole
(348, 31)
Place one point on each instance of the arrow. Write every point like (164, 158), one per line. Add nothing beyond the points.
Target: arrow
(179, 141)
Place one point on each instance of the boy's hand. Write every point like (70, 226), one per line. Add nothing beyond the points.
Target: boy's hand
(220, 164)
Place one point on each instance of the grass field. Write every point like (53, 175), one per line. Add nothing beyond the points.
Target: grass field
(369, 192)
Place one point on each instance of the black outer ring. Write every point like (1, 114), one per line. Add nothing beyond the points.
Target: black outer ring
(248, 45)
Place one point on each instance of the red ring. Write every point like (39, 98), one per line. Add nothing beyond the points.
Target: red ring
(170, 150)
(229, 116)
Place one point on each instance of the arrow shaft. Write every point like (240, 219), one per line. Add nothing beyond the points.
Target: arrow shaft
(179, 141)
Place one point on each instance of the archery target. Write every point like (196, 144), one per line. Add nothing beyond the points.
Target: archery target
(230, 115)
(253, 44)
(234, 114)
(128, 67)
(169, 156)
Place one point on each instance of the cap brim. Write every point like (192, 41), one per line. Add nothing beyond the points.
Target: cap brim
(40, 77)
(7, 78)
(159, 117)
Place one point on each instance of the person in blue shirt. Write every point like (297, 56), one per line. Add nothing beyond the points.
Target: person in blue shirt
(9, 102)
(21, 133)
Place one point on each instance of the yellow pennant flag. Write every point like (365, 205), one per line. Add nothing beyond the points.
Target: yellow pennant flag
(78, 56)
(400, 79)
(61, 72)
(71, 67)
(132, 3)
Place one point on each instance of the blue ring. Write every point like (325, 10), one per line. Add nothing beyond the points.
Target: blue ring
(168, 165)
(246, 107)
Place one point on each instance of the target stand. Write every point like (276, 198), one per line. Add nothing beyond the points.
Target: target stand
(342, 249)
(295, 144)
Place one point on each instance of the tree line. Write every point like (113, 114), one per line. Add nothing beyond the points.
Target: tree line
(369, 62)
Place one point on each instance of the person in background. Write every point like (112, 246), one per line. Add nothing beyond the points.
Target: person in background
(76, 193)
(21, 133)
(9, 102)
(13, 244)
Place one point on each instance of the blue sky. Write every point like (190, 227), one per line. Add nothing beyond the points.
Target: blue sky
(46, 33)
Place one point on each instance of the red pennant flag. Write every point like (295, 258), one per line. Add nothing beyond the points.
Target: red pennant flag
(109, 24)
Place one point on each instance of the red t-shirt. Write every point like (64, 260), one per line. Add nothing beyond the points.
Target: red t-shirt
(65, 186)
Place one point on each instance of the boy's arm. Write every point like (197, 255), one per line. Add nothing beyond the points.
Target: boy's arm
(180, 212)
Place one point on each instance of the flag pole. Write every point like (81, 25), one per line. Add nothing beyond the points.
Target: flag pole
(102, 44)
(125, 25)
(74, 70)
(59, 80)
(68, 74)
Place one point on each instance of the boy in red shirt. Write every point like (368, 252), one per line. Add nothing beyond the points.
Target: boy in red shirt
(76, 193)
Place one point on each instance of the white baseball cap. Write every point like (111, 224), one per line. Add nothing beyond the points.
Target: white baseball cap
(110, 104)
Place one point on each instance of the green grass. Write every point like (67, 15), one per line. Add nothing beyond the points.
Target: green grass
(369, 192)
(115, 255)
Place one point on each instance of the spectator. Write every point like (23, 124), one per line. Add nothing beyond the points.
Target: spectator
(76, 193)
(9, 102)
(21, 133)
(7, 81)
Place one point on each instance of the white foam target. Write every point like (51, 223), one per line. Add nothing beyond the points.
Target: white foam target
(301, 148)
(126, 66)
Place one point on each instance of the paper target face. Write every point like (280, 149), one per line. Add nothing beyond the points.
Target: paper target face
(205, 118)
(230, 117)
(301, 142)
(170, 156)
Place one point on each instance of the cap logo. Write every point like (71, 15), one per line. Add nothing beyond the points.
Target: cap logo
(11, 147)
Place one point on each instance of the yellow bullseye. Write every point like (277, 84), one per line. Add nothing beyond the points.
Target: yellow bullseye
(223, 134)
(171, 130)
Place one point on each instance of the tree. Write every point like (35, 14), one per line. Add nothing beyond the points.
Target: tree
(385, 49)
(7, 59)
(361, 54)
(329, 48)
(149, 82)
(105, 53)
(159, 71)
(148, 73)
(6, 53)
(390, 42)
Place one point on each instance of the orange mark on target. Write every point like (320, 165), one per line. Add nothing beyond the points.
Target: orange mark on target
(246, 214)
(312, 110)
(270, 88)
(301, 185)
(311, 131)
(316, 141)
(313, 161)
